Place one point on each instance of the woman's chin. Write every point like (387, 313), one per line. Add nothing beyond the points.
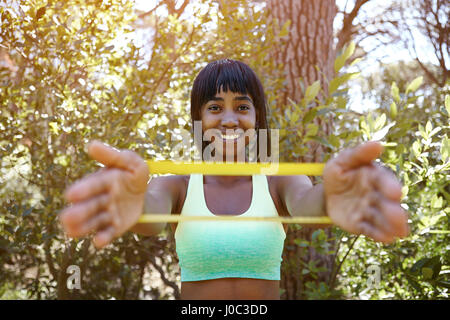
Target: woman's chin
(231, 155)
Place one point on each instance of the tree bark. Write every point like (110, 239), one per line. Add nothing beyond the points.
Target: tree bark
(307, 53)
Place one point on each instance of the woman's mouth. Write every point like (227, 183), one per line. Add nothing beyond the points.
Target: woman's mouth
(230, 137)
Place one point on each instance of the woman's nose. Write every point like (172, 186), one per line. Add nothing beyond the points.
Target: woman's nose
(229, 120)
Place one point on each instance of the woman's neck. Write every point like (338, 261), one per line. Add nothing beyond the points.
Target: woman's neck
(227, 180)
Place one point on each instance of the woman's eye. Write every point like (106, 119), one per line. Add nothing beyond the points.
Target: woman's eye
(213, 107)
(217, 108)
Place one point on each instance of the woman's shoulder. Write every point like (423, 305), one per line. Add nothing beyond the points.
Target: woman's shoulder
(172, 181)
(176, 185)
(281, 184)
(274, 181)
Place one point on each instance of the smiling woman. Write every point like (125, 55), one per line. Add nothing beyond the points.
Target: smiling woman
(228, 259)
(230, 118)
(230, 90)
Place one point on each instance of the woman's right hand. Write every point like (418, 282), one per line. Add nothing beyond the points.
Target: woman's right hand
(109, 201)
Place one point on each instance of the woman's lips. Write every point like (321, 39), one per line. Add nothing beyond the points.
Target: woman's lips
(233, 138)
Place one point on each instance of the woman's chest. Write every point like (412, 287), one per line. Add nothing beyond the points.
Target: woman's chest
(232, 200)
(228, 201)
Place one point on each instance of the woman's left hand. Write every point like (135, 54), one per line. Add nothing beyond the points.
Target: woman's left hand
(362, 197)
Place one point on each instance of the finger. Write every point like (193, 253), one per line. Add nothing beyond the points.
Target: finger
(387, 183)
(361, 155)
(395, 216)
(376, 218)
(112, 157)
(94, 184)
(376, 234)
(98, 222)
(104, 237)
(82, 212)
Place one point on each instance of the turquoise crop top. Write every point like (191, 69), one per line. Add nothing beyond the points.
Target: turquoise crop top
(228, 249)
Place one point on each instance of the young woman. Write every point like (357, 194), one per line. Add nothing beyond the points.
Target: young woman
(232, 260)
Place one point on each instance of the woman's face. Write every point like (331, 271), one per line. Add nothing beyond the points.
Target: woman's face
(232, 114)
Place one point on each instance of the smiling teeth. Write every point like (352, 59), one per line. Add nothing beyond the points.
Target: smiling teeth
(230, 137)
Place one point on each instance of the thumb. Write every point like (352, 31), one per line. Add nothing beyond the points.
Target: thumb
(361, 155)
(114, 158)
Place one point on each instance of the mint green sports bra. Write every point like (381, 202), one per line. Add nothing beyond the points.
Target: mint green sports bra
(228, 249)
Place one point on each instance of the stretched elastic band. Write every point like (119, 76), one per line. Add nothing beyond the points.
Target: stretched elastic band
(158, 218)
(233, 169)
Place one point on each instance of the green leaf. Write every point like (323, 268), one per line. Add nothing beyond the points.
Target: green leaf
(323, 142)
(414, 85)
(309, 115)
(285, 29)
(380, 134)
(379, 122)
(316, 234)
(447, 103)
(405, 190)
(445, 149)
(312, 91)
(428, 127)
(312, 129)
(355, 61)
(334, 140)
(423, 132)
(395, 92)
(340, 61)
(335, 83)
(393, 110)
(436, 265)
(295, 116)
(434, 131)
(427, 273)
(436, 201)
(418, 265)
(301, 243)
(54, 127)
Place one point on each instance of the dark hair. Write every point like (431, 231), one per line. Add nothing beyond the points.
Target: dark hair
(230, 75)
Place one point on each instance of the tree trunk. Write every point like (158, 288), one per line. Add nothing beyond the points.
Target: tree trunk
(307, 53)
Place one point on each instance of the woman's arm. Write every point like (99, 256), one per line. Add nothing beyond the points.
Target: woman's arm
(301, 198)
(161, 197)
(358, 195)
(110, 201)
(362, 197)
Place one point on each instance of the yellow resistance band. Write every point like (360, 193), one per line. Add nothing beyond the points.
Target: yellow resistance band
(233, 169)
(155, 218)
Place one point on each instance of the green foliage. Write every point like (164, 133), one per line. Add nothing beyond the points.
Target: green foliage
(413, 126)
(416, 150)
(319, 105)
(74, 74)
(73, 82)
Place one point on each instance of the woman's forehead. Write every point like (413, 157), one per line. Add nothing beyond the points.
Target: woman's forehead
(232, 93)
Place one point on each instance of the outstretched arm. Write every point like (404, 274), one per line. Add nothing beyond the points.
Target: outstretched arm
(109, 201)
(362, 197)
(358, 195)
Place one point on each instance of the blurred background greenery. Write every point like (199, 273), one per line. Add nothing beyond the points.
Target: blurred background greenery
(336, 73)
